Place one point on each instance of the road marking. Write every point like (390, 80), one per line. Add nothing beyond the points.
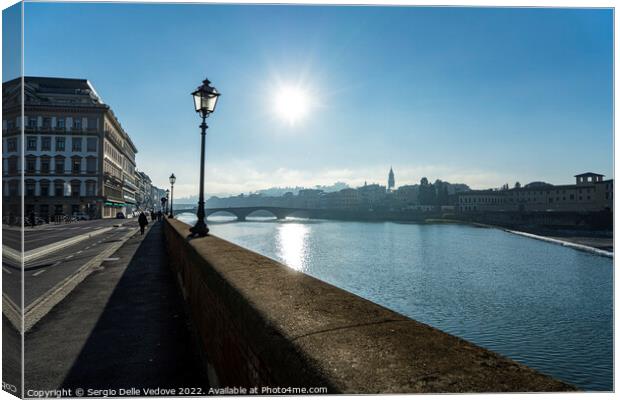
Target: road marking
(6, 270)
(38, 272)
(68, 257)
(79, 252)
(44, 303)
(111, 259)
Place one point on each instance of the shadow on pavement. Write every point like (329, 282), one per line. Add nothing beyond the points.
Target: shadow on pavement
(142, 338)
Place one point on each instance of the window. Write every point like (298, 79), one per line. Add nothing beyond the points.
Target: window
(46, 143)
(45, 189)
(91, 165)
(75, 189)
(90, 188)
(13, 165)
(32, 122)
(92, 123)
(58, 209)
(76, 144)
(76, 165)
(30, 187)
(77, 123)
(60, 144)
(572, 197)
(31, 165)
(60, 165)
(91, 144)
(60, 122)
(11, 144)
(31, 143)
(47, 122)
(13, 188)
(45, 165)
(59, 189)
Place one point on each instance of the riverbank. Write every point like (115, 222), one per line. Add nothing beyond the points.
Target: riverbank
(598, 244)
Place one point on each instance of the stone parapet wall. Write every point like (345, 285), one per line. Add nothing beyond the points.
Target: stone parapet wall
(261, 323)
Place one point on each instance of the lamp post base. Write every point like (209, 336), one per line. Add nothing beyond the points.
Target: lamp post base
(199, 230)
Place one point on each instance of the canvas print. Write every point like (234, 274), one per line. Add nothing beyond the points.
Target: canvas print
(306, 199)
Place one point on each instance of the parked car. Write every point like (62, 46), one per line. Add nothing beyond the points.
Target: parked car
(120, 215)
(81, 216)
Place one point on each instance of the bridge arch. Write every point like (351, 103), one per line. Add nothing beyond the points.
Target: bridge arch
(253, 213)
(226, 212)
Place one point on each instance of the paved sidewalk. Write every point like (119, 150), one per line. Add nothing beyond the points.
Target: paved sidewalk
(123, 327)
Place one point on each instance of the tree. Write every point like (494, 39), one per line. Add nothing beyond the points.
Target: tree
(517, 185)
(505, 186)
(426, 194)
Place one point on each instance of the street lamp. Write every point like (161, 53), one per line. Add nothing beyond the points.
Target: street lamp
(172, 180)
(205, 98)
(167, 200)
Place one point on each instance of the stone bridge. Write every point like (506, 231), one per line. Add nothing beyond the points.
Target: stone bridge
(242, 212)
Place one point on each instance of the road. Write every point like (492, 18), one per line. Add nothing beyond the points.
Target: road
(45, 273)
(42, 235)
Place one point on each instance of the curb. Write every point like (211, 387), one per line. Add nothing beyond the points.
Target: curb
(11, 312)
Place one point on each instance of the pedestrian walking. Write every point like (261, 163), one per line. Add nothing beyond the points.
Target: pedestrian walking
(159, 215)
(143, 221)
(153, 215)
(32, 221)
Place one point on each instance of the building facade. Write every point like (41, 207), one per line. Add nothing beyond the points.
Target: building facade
(589, 193)
(74, 150)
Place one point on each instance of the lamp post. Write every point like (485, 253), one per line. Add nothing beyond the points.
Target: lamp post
(172, 180)
(167, 200)
(205, 98)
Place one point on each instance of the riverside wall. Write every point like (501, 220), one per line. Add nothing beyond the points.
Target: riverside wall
(260, 323)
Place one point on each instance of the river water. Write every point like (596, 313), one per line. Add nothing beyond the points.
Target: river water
(547, 306)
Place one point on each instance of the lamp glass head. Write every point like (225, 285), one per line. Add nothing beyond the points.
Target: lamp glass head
(172, 179)
(205, 98)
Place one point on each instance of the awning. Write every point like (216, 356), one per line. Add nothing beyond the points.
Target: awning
(114, 204)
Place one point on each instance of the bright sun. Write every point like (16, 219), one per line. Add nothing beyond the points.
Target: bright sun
(291, 104)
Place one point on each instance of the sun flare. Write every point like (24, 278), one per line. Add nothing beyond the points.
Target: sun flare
(291, 104)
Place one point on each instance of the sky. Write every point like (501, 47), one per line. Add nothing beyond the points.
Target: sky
(482, 96)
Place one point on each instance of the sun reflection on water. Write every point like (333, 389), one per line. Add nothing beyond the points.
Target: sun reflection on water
(292, 245)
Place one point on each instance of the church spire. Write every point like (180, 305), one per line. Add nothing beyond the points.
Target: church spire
(391, 182)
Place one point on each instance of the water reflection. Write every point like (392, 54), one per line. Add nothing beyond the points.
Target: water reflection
(292, 241)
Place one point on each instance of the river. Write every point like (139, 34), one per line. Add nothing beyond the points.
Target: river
(547, 306)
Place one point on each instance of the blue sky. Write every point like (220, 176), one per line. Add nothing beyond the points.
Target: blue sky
(474, 95)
